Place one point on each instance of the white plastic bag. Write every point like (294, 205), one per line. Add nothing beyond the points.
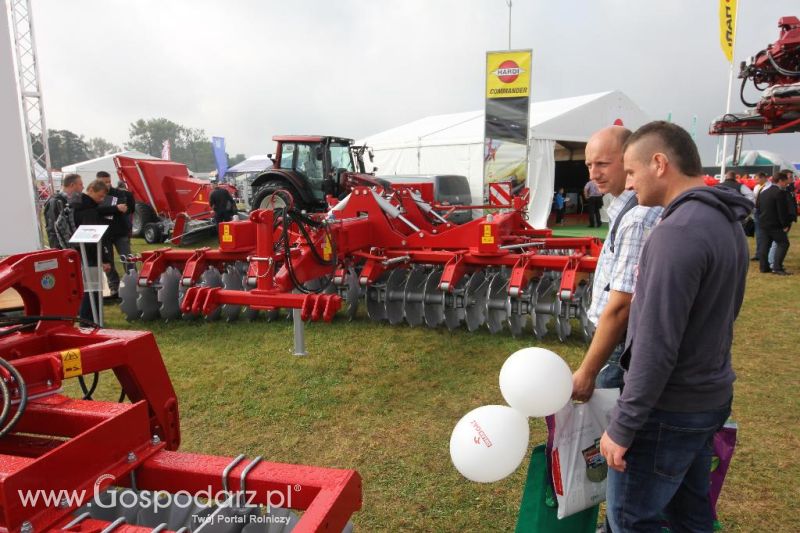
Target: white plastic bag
(579, 471)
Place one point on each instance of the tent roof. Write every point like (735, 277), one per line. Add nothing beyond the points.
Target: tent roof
(100, 163)
(763, 158)
(255, 163)
(565, 119)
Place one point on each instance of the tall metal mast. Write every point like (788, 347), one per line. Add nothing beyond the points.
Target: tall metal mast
(30, 91)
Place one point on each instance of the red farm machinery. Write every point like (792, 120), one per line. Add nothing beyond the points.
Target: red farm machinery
(76, 465)
(775, 71)
(389, 249)
(170, 203)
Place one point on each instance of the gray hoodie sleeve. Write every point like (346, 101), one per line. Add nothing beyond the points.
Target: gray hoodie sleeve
(670, 272)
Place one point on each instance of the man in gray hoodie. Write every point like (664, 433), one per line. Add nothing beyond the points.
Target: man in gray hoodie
(678, 380)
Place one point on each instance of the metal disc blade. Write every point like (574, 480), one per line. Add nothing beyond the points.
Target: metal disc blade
(475, 296)
(497, 304)
(211, 278)
(433, 300)
(516, 323)
(376, 308)
(170, 308)
(587, 328)
(413, 296)
(394, 295)
(128, 295)
(147, 303)
(232, 281)
(352, 293)
(563, 327)
(454, 312)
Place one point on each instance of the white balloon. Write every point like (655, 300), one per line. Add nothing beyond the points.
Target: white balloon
(536, 382)
(489, 443)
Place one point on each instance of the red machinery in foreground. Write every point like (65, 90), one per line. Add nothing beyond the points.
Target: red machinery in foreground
(392, 250)
(57, 453)
(169, 202)
(776, 72)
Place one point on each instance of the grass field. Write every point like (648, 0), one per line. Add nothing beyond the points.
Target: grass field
(383, 400)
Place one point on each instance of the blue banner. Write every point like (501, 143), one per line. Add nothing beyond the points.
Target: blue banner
(218, 146)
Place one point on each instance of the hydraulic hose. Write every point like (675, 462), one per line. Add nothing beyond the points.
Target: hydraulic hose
(7, 426)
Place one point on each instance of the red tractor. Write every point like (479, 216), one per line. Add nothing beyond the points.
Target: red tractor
(311, 167)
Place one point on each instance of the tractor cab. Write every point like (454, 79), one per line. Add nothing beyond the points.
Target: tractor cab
(310, 168)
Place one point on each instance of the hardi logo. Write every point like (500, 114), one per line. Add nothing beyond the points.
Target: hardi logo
(508, 71)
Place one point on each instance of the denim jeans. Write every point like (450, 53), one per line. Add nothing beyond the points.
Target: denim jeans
(667, 474)
(611, 375)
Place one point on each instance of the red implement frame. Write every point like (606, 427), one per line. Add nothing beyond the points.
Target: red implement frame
(67, 444)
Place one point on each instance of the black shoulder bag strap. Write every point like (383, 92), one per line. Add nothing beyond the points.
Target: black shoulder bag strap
(630, 204)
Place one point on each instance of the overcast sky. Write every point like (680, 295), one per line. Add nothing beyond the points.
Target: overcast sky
(250, 69)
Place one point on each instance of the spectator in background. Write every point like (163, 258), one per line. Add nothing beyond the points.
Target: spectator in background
(594, 201)
(221, 201)
(71, 187)
(762, 184)
(117, 206)
(88, 210)
(559, 205)
(774, 223)
(731, 182)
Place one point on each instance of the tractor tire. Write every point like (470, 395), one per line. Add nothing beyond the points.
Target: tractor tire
(261, 198)
(152, 233)
(143, 214)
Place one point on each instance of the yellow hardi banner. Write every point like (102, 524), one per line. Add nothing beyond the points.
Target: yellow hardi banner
(727, 26)
(508, 74)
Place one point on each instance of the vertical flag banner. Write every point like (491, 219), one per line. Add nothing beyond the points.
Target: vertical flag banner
(166, 152)
(218, 145)
(727, 27)
(508, 88)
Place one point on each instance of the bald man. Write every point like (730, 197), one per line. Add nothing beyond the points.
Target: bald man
(678, 379)
(629, 225)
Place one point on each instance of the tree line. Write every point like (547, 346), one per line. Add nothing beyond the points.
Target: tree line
(190, 146)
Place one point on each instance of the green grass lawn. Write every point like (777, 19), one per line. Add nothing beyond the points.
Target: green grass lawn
(383, 400)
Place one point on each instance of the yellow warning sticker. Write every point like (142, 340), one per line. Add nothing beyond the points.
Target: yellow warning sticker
(71, 360)
(487, 238)
(226, 233)
(327, 250)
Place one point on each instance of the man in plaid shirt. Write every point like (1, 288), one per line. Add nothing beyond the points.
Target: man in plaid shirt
(614, 278)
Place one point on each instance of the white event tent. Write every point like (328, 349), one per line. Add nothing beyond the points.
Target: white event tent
(454, 143)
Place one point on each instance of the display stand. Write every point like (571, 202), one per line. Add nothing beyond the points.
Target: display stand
(92, 278)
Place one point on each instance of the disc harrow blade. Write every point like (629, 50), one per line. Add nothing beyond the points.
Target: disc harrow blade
(232, 281)
(170, 308)
(433, 300)
(394, 295)
(475, 296)
(498, 305)
(454, 312)
(351, 293)
(147, 303)
(414, 296)
(375, 296)
(128, 295)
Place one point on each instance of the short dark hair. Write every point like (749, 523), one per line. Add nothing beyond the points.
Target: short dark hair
(781, 176)
(777, 176)
(102, 174)
(675, 141)
(70, 180)
(762, 175)
(97, 186)
(730, 173)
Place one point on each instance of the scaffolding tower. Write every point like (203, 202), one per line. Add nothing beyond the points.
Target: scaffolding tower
(30, 91)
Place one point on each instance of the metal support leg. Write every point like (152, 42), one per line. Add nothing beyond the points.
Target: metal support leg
(299, 333)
